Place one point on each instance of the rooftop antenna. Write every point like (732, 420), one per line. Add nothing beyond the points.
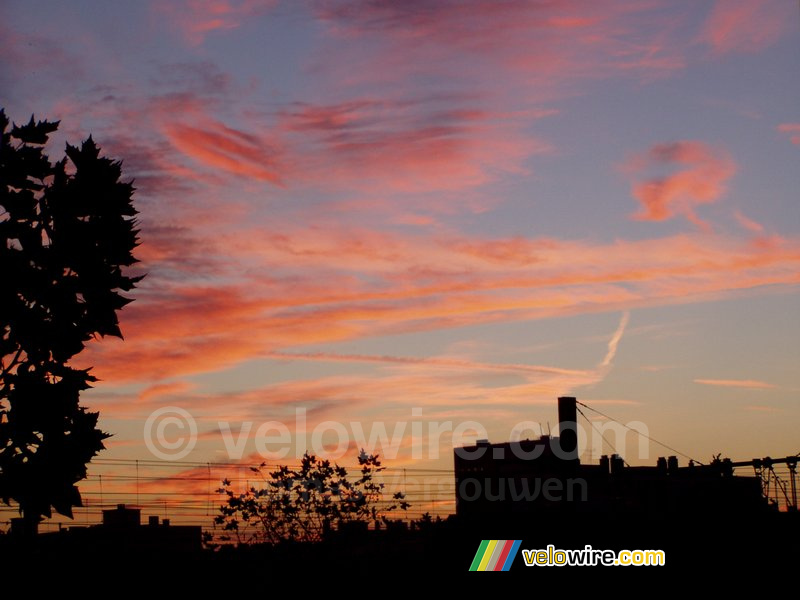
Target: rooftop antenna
(548, 429)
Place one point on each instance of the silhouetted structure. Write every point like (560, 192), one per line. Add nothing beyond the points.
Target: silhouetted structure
(540, 477)
(123, 535)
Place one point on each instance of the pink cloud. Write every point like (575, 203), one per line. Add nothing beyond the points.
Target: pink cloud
(412, 145)
(221, 147)
(792, 129)
(24, 53)
(310, 286)
(394, 141)
(744, 26)
(419, 145)
(183, 152)
(197, 18)
(447, 387)
(749, 224)
(534, 49)
(700, 178)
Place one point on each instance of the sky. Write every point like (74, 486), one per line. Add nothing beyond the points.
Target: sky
(373, 213)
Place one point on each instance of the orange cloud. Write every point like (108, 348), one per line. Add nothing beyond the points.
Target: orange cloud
(427, 361)
(430, 143)
(163, 389)
(225, 148)
(311, 286)
(447, 388)
(740, 383)
(744, 26)
(700, 179)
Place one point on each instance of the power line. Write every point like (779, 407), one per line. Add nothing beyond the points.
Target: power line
(150, 463)
(640, 433)
(602, 436)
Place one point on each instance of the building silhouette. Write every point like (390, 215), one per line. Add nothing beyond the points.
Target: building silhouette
(122, 534)
(545, 477)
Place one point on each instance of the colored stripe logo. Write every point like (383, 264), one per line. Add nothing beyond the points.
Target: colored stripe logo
(495, 555)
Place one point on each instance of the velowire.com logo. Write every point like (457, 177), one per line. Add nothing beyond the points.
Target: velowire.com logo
(495, 555)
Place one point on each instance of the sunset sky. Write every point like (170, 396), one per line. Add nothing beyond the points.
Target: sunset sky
(360, 208)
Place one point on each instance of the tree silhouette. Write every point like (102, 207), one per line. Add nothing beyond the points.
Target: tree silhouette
(303, 504)
(66, 231)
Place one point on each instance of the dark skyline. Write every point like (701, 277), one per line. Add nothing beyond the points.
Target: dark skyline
(408, 226)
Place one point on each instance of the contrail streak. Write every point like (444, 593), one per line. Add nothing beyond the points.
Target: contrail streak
(615, 339)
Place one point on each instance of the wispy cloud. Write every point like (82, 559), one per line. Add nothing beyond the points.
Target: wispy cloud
(696, 173)
(743, 26)
(749, 224)
(553, 41)
(312, 286)
(426, 361)
(221, 147)
(163, 389)
(442, 384)
(24, 53)
(198, 18)
(414, 144)
(737, 383)
(657, 368)
(761, 408)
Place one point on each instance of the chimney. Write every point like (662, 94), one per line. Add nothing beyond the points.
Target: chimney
(672, 464)
(617, 465)
(605, 464)
(568, 427)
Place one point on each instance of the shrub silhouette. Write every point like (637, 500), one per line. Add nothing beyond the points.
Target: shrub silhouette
(303, 504)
